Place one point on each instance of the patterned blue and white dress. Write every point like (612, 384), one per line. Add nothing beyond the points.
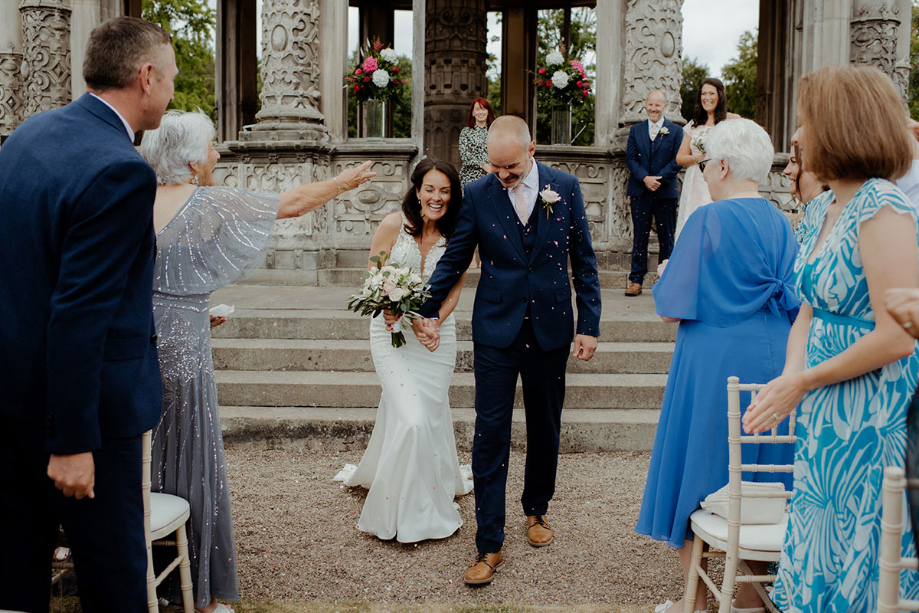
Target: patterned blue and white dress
(847, 432)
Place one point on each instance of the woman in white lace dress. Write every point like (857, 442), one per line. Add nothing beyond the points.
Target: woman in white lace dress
(207, 237)
(410, 466)
(711, 109)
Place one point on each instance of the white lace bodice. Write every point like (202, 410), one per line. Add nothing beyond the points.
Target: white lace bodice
(405, 252)
(696, 133)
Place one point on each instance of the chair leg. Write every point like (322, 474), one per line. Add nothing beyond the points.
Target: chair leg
(188, 604)
(727, 585)
(692, 581)
(153, 605)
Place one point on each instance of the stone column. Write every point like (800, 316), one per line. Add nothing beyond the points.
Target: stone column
(653, 46)
(11, 99)
(290, 74)
(86, 16)
(609, 71)
(46, 50)
(874, 32)
(454, 70)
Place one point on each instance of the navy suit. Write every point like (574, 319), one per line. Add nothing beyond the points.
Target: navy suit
(78, 369)
(657, 159)
(522, 323)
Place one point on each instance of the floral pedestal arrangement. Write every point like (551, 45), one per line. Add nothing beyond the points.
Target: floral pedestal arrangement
(374, 83)
(562, 85)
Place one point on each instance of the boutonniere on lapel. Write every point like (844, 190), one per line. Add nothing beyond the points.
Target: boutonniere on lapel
(549, 198)
(664, 130)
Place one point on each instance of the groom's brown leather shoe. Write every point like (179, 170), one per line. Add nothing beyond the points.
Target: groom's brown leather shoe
(539, 534)
(484, 568)
(633, 289)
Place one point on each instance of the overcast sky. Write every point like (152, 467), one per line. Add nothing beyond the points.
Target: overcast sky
(712, 42)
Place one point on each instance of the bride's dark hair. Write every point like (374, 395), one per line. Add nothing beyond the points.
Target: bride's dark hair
(721, 108)
(411, 205)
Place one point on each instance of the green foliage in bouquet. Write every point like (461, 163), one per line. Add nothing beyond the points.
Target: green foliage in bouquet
(377, 77)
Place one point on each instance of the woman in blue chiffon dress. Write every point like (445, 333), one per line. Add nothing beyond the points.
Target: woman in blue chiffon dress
(729, 285)
(851, 369)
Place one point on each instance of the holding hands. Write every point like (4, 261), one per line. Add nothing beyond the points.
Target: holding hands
(427, 330)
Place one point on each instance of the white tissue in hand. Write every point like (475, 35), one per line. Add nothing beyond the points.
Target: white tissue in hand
(222, 310)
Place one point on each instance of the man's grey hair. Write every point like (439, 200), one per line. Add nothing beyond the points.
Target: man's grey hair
(510, 126)
(745, 145)
(182, 139)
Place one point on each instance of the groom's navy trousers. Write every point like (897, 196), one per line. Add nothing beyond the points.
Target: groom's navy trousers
(522, 325)
(78, 362)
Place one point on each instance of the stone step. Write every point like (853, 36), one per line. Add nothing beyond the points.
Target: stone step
(362, 389)
(354, 276)
(583, 430)
(339, 324)
(259, 354)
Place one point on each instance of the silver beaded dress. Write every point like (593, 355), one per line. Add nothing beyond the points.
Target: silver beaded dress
(217, 237)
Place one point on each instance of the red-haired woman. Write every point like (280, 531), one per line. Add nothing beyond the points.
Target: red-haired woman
(472, 141)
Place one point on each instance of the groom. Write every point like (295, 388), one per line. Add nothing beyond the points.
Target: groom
(651, 157)
(527, 221)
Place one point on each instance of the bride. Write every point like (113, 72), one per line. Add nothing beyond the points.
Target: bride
(410, 467)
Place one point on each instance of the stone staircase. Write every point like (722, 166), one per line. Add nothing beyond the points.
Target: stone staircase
(293, 363)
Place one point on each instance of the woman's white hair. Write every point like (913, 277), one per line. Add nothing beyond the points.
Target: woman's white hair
(746, 147)
(182, 139)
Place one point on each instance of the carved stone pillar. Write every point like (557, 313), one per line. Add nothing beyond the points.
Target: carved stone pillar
(11, 100)
(290, 74)
(653, 46)
(455, 62)
(46, 51)
(874, 31)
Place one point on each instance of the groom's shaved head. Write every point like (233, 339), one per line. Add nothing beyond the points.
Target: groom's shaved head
(509, 128)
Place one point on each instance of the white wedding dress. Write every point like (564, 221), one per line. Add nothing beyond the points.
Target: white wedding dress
(410, 466)
(694, 193)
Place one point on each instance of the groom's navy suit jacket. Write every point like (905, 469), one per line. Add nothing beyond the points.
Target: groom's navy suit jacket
(511, 282)
(78, 350)
(657, 159)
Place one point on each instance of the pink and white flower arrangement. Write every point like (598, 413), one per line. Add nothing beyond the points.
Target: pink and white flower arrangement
(390, 287)
(562, 83)
(376, 77)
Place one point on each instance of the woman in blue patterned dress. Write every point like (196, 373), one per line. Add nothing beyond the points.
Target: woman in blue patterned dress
(850, 368)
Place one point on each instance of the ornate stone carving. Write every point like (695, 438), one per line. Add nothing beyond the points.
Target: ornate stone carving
(11, 99)
(46, 54)
(290, 73)
(653, 46)
(357, 213)
(874, 28)
(455, 63)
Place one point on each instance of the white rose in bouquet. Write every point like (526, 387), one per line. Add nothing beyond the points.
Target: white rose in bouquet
(380, 78)
(555, 58)
(398, 294)
(388, 54)
(414, 279)
(560, 79)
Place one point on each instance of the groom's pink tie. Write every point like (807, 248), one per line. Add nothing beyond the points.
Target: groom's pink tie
(520, 204)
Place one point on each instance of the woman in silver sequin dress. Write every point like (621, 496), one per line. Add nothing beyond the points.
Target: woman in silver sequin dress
(207, 237)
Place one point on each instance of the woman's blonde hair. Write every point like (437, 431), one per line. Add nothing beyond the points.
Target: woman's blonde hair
(854, 124)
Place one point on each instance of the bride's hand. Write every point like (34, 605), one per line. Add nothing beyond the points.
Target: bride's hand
(390, 319)
(352, 178)
(428, 332)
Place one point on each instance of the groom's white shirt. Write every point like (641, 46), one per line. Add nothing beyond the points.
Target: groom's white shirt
(127, 126)
(654, 128)
(531, 188)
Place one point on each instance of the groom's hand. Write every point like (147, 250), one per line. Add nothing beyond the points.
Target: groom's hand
(74, 474)
(584, 347)
(427, 331)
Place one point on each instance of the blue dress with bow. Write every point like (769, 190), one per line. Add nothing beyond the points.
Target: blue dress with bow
(729, 281)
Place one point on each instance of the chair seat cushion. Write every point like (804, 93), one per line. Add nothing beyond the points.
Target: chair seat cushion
(760, 537)
(165, 509)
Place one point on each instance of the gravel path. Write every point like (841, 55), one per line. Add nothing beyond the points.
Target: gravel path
(297, 541)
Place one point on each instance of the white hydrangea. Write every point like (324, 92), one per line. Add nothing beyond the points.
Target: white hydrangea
(554, 59)
(380, 78)
(388, 54)
(559, 79)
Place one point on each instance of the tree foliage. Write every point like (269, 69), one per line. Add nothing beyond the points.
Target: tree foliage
(583, 45)
(913, 90)
(191, 24)
(740, 77)
(693, 73)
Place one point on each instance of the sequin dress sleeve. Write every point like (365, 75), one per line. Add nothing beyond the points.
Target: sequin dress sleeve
(218, 237)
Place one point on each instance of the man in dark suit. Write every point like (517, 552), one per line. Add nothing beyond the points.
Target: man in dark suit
(651, 157)
(528, 220)
(78, 368)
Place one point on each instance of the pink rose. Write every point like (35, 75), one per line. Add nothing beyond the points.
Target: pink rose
(542, 71)
(586, 93)
(579, 84)
(370, 64)
(358, 71)
(389, 286)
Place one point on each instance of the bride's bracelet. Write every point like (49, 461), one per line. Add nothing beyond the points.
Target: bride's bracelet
(338, 185)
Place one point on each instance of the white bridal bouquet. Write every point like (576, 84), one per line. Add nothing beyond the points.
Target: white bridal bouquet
(393, 287)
